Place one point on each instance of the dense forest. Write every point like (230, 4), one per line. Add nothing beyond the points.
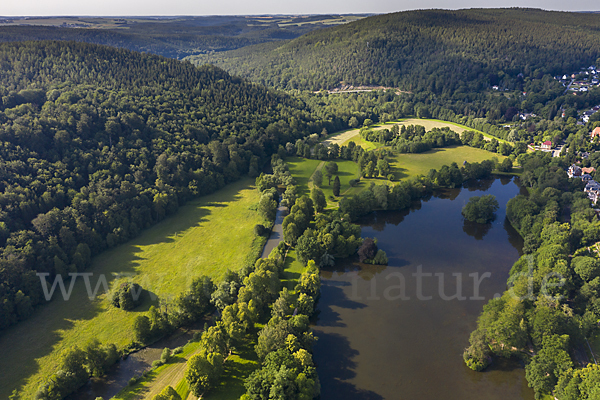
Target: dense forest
(99, 143)
(450, 53)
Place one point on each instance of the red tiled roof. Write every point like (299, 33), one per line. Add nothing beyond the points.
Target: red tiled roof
(588, 170)
(596, 132)
(548, 143)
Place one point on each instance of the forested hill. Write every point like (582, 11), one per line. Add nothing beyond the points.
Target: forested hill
(98, 143)
(439, 51)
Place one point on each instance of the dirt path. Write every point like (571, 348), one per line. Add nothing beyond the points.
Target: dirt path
(171, 376)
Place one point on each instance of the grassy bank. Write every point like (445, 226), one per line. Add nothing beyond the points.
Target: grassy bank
(205, 237)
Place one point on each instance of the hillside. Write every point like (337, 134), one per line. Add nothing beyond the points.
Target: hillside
(97, 144)
(440, 51)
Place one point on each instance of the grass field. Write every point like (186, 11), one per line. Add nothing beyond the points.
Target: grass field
(292, 270)
(303, 168)
(406, 166)
(359, 141)
(198, 240)
(353, 135)
(410, 165)
(435, 123)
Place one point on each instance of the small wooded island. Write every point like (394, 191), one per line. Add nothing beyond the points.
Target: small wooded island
(481, 209)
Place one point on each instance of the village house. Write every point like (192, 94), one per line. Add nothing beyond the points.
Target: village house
(592, 189)
(574, 171)
(588, 170)
(595, 132)
(586, 115)
(546, 146)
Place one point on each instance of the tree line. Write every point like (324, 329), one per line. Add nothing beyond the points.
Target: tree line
(551, 306)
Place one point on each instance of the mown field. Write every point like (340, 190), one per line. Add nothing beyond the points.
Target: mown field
(302, 170)
(205, 237)
(429, 124)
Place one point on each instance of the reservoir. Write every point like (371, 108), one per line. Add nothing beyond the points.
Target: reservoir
(399, 331)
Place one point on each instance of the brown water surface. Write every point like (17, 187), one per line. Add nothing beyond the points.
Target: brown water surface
(384, 335)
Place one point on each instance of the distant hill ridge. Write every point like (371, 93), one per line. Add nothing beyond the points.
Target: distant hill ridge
(440, 51)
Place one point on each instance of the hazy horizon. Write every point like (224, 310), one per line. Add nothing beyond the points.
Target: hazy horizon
(149, 8)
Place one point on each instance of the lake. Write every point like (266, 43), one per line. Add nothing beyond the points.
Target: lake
(399, 331)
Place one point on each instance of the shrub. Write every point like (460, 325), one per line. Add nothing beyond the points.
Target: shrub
(367, 250)
(380, 258)
(166, 355)
(259, 230)
(128, 296)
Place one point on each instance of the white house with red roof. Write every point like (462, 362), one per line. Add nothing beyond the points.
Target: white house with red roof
(546, 146)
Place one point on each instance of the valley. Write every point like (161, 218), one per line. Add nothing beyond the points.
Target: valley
(146, 160)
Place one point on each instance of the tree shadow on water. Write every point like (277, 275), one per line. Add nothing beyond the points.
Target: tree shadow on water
(335, 364)
(484, 184)
(332, 295)
(477, 230)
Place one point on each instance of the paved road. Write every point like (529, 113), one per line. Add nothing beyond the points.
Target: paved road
(276, 233)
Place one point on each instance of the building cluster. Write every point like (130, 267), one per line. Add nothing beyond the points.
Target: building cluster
(581, 81)
(592, 188)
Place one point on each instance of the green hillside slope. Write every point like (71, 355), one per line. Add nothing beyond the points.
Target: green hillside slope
(436, 50)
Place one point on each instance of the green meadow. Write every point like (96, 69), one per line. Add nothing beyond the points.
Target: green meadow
(353, 135)
(410, 165)
(205, 237)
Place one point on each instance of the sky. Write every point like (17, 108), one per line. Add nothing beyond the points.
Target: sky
(250, 7)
